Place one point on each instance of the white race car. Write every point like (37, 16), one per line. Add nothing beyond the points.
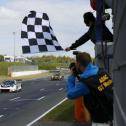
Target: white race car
(10, 86)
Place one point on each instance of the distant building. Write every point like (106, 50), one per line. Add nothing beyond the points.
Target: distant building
(8, 59)
(17, 59)
(23, 60)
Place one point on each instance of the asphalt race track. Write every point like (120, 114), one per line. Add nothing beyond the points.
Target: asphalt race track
(37, 96)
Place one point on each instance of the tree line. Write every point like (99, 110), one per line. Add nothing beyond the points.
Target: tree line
(51, 62)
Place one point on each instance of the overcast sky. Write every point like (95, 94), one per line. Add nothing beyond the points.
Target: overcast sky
(65, 17)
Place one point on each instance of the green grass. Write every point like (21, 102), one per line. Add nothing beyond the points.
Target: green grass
(4, 66)
(32, 76)
(64, 112)
(42, 66)
(25, 77)
(50, 66)
(4, 78)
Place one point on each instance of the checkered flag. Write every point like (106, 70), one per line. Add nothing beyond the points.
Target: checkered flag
(37, 34)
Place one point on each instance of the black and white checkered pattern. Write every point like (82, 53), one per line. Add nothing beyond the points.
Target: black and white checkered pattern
(37, 34)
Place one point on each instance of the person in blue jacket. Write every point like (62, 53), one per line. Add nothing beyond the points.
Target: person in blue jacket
(95, 86)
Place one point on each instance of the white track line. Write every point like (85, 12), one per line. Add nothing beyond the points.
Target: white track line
(26, 100)
(41, 98)
(60, 89)
(1, 116)
(42, 89)
(5, 108)
(34, 121)
(14, 99)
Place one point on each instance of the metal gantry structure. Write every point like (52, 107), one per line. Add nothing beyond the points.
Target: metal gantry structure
(101, 17)
(119, 61)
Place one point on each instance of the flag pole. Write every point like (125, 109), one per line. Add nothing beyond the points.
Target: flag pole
(14, 33)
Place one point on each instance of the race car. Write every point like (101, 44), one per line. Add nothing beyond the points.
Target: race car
(10, 86)
(57, 76)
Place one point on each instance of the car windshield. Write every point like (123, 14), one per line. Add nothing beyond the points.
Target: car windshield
(8, 83)
(57, 74)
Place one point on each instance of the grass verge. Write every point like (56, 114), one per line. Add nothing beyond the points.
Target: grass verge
(64, 112)
(32, 76)
(25, 77)
(5, 65)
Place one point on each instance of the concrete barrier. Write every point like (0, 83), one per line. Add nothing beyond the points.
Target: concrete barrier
(26, 73)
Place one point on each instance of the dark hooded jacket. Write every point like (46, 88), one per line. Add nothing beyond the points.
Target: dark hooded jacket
(98, 103)
(90, 35)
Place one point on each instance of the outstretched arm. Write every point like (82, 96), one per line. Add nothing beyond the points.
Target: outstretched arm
(79, 42)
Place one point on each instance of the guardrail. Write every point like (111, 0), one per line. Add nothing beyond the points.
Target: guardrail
(26, 73)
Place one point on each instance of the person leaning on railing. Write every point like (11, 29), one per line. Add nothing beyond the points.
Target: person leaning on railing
(95, 85)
